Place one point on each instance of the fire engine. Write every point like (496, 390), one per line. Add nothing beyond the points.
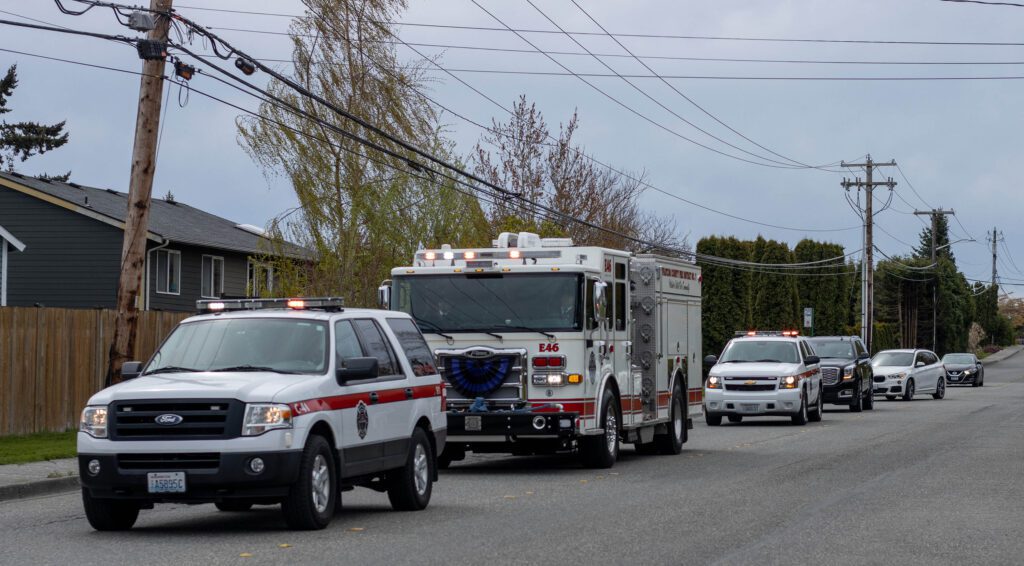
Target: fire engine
(547, 347)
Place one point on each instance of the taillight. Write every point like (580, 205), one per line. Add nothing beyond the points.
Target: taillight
(554, 362)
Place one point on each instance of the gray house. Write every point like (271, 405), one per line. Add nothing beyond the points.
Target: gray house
(60, 246)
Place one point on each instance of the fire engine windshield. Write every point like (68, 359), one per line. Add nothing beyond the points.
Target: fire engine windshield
(499, 302)
(279, 345)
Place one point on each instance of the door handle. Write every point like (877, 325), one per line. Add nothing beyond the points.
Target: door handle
(408, 393)
(374, 398)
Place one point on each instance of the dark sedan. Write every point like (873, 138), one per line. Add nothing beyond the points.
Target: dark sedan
(964, 369)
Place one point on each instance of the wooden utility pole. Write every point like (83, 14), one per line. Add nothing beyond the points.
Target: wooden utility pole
(868, 271)
(935, 214)
(133, 252)
(995, 238)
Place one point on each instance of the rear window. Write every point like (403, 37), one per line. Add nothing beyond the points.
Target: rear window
(416, 350)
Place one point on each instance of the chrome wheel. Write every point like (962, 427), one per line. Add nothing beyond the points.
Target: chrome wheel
(611, 429)
(677, 419)
(421, 469)
(321, 484)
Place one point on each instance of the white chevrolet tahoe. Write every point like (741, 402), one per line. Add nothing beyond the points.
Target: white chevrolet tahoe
(267, 401)
(764, 373)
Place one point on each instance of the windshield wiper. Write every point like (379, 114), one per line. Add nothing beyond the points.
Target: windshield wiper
(769, 361)
(528, 329)
(433, 328)
(170, 369)
(254, 368)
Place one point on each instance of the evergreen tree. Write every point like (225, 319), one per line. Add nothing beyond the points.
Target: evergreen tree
(21, 140)
(924, 248)
(726, 297)
(776, 302)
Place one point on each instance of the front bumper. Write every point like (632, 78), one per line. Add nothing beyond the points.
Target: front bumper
(961, 379)
(510, 426)
(750, 403)
(889, 386)
(841, 393)
(230, 479)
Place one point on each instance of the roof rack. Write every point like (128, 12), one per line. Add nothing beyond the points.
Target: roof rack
(331, 304)
(767, 333)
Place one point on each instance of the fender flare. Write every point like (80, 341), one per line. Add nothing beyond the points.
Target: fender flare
(608, 376)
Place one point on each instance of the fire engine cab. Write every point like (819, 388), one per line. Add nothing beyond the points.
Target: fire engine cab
(545, 346)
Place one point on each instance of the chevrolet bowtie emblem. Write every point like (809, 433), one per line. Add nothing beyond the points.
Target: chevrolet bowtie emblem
(750, 382)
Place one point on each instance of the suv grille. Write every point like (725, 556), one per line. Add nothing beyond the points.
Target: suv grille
(198, 419)
(754, 387)
(495, 375)
(829, 376)
(199, 461)
(879, 379)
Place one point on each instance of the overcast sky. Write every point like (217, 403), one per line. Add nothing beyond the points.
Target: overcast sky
(958, 141)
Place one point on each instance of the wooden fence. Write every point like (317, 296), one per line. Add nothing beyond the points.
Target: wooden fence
(52, 360)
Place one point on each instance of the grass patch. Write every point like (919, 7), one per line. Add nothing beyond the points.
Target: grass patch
(36, 447)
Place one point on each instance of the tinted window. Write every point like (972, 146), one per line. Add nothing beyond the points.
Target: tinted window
(620, 306)
(346, 343)
(376, 346)
(930, 358)
(834, 349)
(416, 350)
(860, 347)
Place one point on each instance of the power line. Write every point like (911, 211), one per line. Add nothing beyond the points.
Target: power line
(987, 3)
(736, 77)
(641, 35)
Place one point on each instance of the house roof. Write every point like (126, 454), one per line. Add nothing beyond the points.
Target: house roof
(10, 239)
(168, 219)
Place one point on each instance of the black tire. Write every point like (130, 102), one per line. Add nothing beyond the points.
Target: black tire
(410, 487)
(857, 405)
(602, 451)
(671, 443)
(311, 500)
(908, 391)
(233, 506)
(868, 402)
(800, 418)
(814, 415)
(940, 389)
(109, 514)
(735, 418)
(712, 420)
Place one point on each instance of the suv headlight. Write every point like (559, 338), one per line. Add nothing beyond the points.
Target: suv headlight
(94, 421)
(899, 375)
(848, 372)
(714, 382)
(263, 417)
(789, 382)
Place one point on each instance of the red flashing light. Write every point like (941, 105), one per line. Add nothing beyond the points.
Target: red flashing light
(469, 255)
(548, 362)
(296, 304)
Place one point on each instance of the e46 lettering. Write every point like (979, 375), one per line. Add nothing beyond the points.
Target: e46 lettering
(549, 347)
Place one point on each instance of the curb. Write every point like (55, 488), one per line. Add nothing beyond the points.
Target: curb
(1002, 359)
(41, 487)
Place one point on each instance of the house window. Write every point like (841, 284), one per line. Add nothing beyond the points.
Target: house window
(260, 279)
(168, 272)
(213, 277)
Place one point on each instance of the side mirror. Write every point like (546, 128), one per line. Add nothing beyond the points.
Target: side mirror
(710, 360)
(919, 364)
(131, 370)
(864, 356)
(812, 360)
(384, 295)
(600, 300)
(355, 369)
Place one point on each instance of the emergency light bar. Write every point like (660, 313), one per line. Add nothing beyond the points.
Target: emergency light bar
(471, 255)
(767, 333)
(222, 305)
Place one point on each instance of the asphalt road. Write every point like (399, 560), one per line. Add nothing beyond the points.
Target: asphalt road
(925, 482)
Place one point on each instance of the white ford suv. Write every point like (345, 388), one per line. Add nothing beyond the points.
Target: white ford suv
(764, 373)
(266, 401)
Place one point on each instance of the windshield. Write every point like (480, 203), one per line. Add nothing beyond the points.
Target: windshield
(958, 359)
(760, 351)
(898, 359)
(239, 344)
(834, 349)
(492, 302)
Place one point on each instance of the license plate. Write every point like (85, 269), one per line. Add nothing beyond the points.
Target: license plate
(750, 407)
(166, 482)
(474, 423)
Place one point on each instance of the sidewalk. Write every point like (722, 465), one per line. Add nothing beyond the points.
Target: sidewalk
(1002, 354)
(38, 478)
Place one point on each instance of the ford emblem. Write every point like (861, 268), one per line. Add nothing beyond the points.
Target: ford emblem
(168, 419)
(478, 354)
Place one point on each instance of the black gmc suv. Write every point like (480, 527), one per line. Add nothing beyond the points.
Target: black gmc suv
(846, 376)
